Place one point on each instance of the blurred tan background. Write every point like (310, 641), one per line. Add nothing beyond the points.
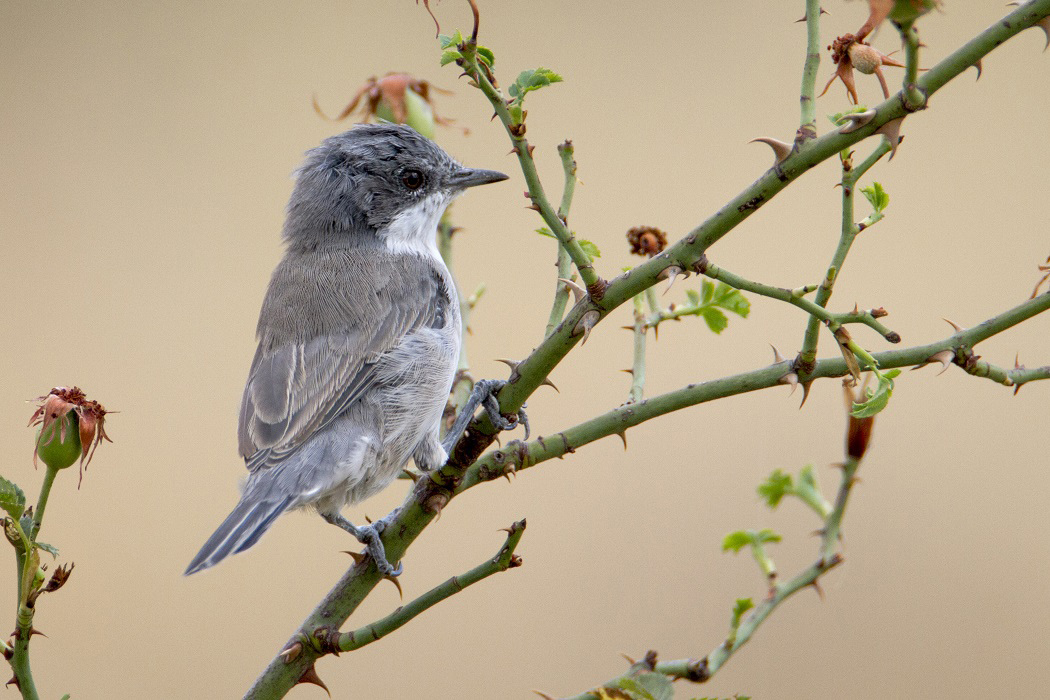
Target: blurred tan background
(146, 158)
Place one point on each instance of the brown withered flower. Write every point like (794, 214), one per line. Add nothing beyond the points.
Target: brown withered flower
(398, 98)
(646, 241)
(849, 52)
(89, 418)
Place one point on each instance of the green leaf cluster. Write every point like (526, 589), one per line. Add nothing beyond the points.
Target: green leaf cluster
(736, 541)
(12, 499)
(876, 196)
(533, 79)
(708, 302)
(805, 488)
(450, 50)
(878, 397)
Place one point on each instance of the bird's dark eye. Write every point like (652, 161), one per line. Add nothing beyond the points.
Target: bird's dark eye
(412, 179)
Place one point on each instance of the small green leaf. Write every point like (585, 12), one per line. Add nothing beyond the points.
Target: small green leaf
(736, 541)
(11, 498)
(544, 231)
(773, 489)
(590, 249)
(876, 196)
(877, 398)
(741, 538)
(625, 688)
(644, 686)
(53, 551)
(447, 40)
(529, 80)
(693, 296)
(731, 299)
(450, 56)
(716, 320)
(708, 288)
(486, 56)
(741, 607)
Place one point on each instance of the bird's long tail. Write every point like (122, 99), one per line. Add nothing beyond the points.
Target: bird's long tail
(240, 530)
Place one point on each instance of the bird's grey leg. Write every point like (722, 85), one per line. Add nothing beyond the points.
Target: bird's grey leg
(367, 535)
(484, 395)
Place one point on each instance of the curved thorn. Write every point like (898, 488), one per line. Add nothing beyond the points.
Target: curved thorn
(856, 120)
(953, 324)
(978, 66)
(892, 131)
(805, 393)
(577, 291)
(397, 584)
(777, 358)
(310, 676)
(781, 150)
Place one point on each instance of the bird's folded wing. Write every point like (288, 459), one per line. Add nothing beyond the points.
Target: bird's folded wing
(296, 388)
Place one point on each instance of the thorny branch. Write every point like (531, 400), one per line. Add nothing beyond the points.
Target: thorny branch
(435, 489)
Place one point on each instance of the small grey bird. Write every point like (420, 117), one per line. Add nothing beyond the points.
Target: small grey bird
(359, 337)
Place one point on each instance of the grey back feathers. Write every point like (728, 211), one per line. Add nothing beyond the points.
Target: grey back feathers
(359, 333)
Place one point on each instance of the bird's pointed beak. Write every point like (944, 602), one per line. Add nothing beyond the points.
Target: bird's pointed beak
(469, 177)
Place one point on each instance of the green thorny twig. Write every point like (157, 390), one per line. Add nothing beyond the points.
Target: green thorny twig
(742, 627)
(465, 469)
(561, 289)
(808, 124)
(849, 232)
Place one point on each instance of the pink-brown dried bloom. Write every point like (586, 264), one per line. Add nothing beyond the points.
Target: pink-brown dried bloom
(90, 419)
(849, 52)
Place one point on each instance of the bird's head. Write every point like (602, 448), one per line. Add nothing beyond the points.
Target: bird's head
(376, 183)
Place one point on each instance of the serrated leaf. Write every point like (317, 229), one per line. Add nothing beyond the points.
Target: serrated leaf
(12, 499)
(529, 80)
(716, 320)
(877, 398)
(742, 606)
(876, 196)
(53, 551)
(590, 249)
(736, 541)
(773, 489)
(731, 299)
(447, 40)
(644, 686)
(807, 479)
(450, 56)
(693, 296)
(708, 288)
(486, 56)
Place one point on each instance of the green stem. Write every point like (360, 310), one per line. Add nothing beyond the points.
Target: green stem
(638, 361)
(516, 133)
(45, 491)
(808, 123)
(561, 291)
(504, 559)
(818, 314)
(833, 524)
(848, 233)
(518, 456)
(20, 656)
(914, 96)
